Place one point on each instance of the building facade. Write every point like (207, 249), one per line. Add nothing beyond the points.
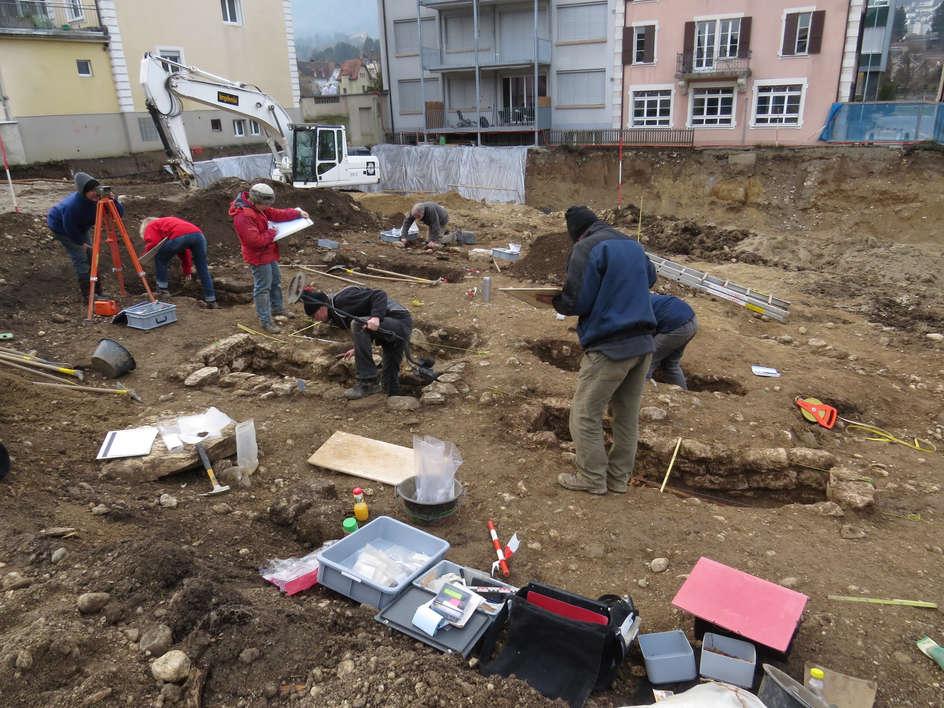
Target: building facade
(501, 71)
(736, 72)
(75, 92)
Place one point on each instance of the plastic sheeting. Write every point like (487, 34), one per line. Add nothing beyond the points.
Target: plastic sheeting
(246, 167)
(884, 122)
(492, 174)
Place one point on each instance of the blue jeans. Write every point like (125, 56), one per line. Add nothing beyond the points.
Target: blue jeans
(266, 290)
(80, 257)
(668, 354)
(198, 250)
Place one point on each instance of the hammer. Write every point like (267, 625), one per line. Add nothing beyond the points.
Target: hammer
(204, 458)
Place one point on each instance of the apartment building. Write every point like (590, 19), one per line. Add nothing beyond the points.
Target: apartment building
(736, 72)
(500, 71)
(69, 70)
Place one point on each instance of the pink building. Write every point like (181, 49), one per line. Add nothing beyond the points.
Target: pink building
(738, 72)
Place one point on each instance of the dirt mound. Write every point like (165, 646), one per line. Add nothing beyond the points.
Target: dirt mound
(688, 238)
(546, 259)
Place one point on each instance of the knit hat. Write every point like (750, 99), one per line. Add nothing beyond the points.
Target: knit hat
(85, 182)
(313, 299)
(579, 219)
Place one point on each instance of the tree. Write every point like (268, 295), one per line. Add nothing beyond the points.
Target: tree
(900, 24)
(371, 49)
(937, 24)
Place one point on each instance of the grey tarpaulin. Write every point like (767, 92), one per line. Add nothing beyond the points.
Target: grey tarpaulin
(492, 174)
(247, 167)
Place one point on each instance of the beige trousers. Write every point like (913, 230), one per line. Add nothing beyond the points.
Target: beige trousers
(602, 381)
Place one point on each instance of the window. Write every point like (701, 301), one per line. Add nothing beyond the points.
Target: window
(644, 44)
(147, 130)
(239, 128)
(172, 53)
(232, 12)
(579, 89)
(84, 67)
(458, 34)
(254, 128)
(581, 23)
(716, 39)
(75, 10)
(778, 104)
(803, 32)
(405, 38)
(411, 95)
(712, 107)
(216, 125)
(651, 108)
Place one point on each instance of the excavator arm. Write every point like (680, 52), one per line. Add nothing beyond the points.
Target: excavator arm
(166, 83)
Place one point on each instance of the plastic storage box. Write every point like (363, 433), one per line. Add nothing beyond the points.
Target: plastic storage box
(150, 315)
(336, 563)
(668, 655)
(728, 659)
(505, 254)
(470, 575)
(328, 243)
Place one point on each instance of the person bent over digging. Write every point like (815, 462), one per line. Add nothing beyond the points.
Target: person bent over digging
(607, 287)
(371, 316)
(252, 211)
(430, 213)
(187, 242)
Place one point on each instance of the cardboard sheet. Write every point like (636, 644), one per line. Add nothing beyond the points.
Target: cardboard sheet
(529, 295)
(136, 442)
(287, 228)
(365, 458)
(757, 609)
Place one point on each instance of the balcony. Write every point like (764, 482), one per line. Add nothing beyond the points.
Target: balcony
(451, 60)
(62, 20)
(688, 67)
(447, 4)
(493, 120)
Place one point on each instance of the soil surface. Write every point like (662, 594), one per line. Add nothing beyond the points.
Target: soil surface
(845, 235)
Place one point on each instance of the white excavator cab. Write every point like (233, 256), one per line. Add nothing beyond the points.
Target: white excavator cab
(320, 159)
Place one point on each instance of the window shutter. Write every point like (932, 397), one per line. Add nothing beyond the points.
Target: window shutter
(628, 49)
(649, 51)
(816, 31)
(790, 35)
(744, 47)
(688, 47)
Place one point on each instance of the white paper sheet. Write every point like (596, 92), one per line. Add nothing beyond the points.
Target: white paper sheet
(287, 228)
(767, 371)
(135, 442)
(209, 424)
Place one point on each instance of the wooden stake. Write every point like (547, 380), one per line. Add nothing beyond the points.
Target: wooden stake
(671, 464)
(37, 372)
(402, 275)
(883, 601)
(329, 275)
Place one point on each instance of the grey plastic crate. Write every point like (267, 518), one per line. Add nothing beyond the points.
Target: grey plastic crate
(471, 577)
(668, 655)
(728, 659)
(329, 244)
(336, 567)
(150, 315)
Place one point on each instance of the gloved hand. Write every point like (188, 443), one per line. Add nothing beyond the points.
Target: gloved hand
(302, 213)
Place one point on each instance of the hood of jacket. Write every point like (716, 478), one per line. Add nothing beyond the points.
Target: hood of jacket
(239, 203)
(84, 182)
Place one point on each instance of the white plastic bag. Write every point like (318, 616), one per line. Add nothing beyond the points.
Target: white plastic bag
(435, 463)
(247, 452)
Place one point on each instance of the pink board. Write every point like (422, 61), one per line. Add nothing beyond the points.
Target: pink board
(757, 609)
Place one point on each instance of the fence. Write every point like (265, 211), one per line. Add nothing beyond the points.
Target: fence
(638, 137)
(884, 123)
(520, 117)
(29, 16)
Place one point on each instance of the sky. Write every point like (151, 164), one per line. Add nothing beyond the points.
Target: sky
(326, 17)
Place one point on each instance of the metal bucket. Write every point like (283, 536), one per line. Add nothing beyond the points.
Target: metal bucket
(425, 513)
(112, 360)
(779, 690)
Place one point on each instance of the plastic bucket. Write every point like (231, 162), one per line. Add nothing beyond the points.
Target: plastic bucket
(425, 513)
(112, 360)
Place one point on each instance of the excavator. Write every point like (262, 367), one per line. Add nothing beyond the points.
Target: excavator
(305, 155)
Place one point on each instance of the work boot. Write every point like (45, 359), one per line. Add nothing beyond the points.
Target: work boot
(271, 328)
(362, 389)
(284, 313)
(617, 487)
(162, 292)
(577, 483)
(209, 304)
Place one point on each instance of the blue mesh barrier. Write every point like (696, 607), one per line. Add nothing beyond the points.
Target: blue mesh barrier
(884, 122)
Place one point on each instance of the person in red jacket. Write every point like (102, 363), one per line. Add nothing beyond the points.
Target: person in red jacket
(252, 211)
(185, 241)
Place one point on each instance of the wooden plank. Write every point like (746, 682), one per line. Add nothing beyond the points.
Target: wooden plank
(363, 457)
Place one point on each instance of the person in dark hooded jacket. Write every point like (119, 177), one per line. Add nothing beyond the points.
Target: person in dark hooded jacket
(71, 222)
(607, 288)
(252, 211)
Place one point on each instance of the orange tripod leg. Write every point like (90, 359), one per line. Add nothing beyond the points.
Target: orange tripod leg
(96, 247)
(116, 265)
(139, 269)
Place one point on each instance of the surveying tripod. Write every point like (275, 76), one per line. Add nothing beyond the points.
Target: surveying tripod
(108, 218)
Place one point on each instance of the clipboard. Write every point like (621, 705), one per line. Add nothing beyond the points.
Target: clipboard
(287, 228)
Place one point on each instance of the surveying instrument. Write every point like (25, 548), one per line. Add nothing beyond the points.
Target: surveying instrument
(108, 219)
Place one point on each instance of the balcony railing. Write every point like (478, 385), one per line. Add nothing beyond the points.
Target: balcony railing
(612, 137)
(507, 119)
(688, 66)
(435, 59)
(36, 17)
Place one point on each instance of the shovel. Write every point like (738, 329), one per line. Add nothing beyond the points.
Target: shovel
(205, 459)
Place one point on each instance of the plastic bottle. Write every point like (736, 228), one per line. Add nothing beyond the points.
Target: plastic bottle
(360, 506)
(815, 683)
(349, 525)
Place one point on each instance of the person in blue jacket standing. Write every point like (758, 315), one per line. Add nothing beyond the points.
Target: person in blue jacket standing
(71, 222)
(676, 325)
(607, 288)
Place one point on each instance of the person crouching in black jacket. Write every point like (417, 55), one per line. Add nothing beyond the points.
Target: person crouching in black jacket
(371, 316)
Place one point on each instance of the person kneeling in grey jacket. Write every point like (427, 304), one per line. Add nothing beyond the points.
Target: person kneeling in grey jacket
(430, 213)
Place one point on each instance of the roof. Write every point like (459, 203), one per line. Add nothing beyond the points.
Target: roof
(351, 68)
